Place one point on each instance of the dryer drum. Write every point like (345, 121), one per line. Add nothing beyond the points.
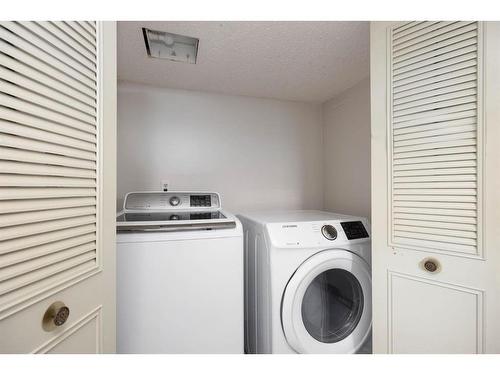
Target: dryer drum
(332, 305)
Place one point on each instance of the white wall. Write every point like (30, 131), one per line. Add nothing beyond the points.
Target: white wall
(347, 151)
(258, 153)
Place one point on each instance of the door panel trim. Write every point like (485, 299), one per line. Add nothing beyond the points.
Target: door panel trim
(479, 294)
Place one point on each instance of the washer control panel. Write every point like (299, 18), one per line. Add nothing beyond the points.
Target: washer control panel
(171, 200)
(174, 201)
(201, 200)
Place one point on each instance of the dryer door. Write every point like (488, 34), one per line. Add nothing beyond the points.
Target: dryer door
(326, 305)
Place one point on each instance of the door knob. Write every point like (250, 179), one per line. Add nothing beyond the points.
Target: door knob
(431, 265)
(55, 316)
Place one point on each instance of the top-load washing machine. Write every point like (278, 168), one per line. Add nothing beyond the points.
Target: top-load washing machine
(307, 282)
(179, 274)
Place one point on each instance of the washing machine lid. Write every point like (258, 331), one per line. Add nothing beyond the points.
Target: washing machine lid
(326, 305)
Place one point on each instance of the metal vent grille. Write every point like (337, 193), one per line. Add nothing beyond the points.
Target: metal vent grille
(48, 156)
(434, 130)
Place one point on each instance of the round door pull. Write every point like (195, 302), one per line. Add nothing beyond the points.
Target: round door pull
(55, 316)
(431, 265)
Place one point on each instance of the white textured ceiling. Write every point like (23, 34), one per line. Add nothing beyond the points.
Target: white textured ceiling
(305, 61)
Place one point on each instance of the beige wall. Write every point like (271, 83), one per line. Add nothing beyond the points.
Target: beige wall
(347, 151)
(258, 153)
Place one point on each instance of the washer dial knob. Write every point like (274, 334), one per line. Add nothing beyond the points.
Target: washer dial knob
(174, 201)
(329, 232)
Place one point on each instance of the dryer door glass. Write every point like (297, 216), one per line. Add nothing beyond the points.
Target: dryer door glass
(332, 305)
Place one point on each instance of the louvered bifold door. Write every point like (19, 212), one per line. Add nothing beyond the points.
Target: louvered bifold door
(48, 156)
(434, 127)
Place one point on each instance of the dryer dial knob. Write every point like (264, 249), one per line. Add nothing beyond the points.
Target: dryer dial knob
(329, 232)
(174, 201)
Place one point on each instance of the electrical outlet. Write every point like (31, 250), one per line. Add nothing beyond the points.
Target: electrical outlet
(164, 185)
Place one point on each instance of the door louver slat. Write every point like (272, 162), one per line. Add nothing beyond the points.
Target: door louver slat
(435, 126)
(434, 39)
(454, 63)
(436, 224)
(67, 27)
(447, 220)
(451, 142)
(25, 180)
(32, 193)
(434, 136)
(412, 28)
(456, 93)
(88, 27)
(81, 31)
(48, 135)
(48, 270)
(465, 211)
(45, 204)
(436, 88)
(45, 280)
(455, 150)
(37, 77)
(54, 46)
(26, 60)
(45, 102)
(436, 61)
(44, 158)
(434, 30)
(29, 266)
(48, 156)
(61, 63)
(19, 104)
(423, 241)
(45, 238)
(424, 135)
(44, 169)
(15, 141)
(69, 43)
(38, 216)
(42, 250)
(43, 90)
(434, 198)
(79, 55)
(452, 178)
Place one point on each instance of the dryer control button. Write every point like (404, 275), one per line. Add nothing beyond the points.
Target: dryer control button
(329, 232)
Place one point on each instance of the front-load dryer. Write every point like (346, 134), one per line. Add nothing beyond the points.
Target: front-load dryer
(307, 282)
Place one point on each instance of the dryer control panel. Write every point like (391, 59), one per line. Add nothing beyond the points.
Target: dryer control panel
(320, 233)
(354, 230)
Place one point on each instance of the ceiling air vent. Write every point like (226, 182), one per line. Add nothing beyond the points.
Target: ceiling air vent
(170, 46)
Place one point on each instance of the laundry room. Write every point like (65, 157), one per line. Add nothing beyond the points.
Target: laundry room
(250, 184)
(255, 117)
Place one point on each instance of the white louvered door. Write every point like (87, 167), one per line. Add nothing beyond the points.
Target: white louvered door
(435, 178)
(57, 168)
